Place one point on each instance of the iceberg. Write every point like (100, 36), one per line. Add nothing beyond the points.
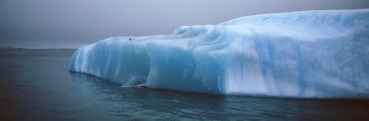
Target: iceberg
(305, 54)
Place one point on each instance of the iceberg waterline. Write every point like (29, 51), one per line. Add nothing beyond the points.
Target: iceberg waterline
(307, 54)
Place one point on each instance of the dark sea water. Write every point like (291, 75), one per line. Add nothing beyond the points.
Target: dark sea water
(36, 85)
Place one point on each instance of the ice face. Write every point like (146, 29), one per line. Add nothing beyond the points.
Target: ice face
(308, 54)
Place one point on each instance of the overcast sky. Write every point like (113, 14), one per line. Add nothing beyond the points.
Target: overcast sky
(71, 23)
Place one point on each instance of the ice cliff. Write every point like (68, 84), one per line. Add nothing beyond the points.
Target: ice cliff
(307, 54)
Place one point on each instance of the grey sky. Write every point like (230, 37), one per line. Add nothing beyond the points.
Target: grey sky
(71, 23)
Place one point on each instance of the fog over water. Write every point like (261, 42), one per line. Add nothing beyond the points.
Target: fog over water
(71, 23)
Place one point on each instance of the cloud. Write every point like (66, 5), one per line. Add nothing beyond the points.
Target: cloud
(70, 23)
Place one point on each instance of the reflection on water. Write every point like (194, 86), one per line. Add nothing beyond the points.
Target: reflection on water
(35, 85)
(144, 103)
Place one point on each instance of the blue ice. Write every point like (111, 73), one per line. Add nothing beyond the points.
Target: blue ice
(306, 54)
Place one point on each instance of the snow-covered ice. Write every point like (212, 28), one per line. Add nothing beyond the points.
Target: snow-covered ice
(307, 54)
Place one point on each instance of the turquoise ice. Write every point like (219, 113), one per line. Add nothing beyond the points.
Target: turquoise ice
(307, 54)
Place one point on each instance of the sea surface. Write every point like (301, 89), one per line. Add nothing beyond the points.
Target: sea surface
(36, 85)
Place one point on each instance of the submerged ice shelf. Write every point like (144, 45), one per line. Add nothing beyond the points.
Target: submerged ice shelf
(308, 54)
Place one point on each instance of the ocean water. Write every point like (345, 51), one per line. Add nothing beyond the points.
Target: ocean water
(36, 85)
